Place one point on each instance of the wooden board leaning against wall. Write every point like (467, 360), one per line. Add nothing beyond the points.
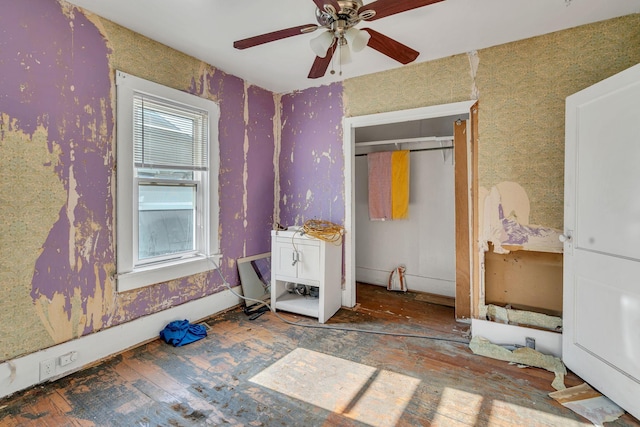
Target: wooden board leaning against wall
(466, 189)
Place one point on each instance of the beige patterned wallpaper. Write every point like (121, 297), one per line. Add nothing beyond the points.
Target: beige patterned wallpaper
(148, 59)
(522, 89)
(416, 85)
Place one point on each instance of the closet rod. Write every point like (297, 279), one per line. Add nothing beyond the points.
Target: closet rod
(448, 147)
(405, 140)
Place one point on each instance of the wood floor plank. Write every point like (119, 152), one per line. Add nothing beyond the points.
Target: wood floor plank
(64, 407)
(7, 419)
(179, 388)
(45, 409)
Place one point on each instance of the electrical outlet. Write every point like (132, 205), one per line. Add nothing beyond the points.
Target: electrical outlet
(47, 369)
(67, 358)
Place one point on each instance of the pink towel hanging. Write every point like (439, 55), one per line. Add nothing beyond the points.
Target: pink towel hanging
(380, 208)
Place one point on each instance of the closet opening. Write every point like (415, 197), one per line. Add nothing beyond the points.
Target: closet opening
(427, 242)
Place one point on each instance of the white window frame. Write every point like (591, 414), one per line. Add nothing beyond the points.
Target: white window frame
(129, 275)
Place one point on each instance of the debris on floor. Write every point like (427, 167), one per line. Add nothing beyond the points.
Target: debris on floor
(522, 356)
(585, 401)
(181, 332)
(526, 318)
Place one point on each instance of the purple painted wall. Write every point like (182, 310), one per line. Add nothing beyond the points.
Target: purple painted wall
(55, 72)
(311, 159)
(260, 169)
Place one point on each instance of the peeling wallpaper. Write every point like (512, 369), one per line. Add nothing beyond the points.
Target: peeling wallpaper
(311, 162)
(521, 87)
(48, 83)
(30, 198)
(57, 86)
(259, 151)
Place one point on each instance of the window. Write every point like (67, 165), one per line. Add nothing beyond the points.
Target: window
(167, 183)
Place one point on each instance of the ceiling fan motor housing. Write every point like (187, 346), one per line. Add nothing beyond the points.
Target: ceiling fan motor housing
(348, 14)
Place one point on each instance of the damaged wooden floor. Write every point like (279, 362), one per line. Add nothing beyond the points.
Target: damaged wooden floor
(266, 372)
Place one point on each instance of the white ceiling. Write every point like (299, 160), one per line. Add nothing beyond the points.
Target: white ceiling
(206, 29)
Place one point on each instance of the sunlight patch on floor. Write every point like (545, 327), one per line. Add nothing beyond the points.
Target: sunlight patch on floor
(357, 391)
(457, 407)
(462, 408)
(540, 417)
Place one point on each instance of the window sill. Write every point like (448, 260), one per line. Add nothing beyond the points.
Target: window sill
(145, 276)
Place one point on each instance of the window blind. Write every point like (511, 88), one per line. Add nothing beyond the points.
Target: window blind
(168, 135)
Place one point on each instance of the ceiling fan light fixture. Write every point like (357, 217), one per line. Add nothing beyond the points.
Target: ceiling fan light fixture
(357, 39)
(321, 44)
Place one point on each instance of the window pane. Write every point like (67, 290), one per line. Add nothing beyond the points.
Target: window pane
(166, 220)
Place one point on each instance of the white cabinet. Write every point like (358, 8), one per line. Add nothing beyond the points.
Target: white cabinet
(298, 259)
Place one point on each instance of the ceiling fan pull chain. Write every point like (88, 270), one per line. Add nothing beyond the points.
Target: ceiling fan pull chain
(333, 56)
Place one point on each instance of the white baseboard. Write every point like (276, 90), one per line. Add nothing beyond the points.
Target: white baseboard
(24, 372)
(414, 283)
(547, 342)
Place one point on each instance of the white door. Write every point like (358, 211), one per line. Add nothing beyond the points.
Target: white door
(601, 339)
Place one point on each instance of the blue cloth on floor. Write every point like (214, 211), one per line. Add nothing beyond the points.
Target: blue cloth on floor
(181, 332)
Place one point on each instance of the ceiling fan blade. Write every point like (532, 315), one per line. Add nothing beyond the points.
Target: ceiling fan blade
(320, 65)
(386, 8)
(321, 3)
(273, 36)
(390, 47)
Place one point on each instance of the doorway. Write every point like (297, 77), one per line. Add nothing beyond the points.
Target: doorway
(352, 128)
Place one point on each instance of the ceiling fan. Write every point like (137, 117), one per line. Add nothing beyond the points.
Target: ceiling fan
(339, 18)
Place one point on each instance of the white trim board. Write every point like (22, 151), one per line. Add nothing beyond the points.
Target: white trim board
(24, 372)
(547, 342)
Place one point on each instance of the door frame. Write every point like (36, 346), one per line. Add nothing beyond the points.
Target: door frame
(349, 126)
